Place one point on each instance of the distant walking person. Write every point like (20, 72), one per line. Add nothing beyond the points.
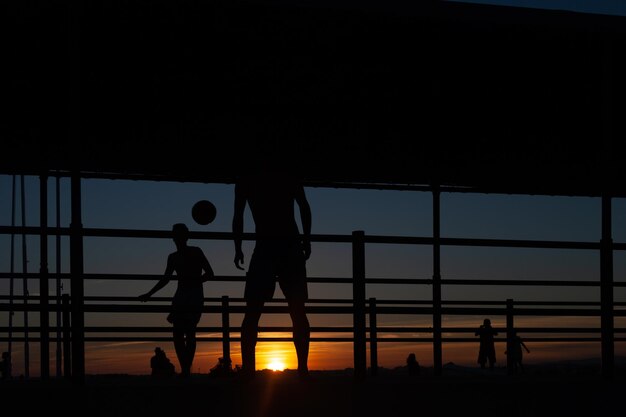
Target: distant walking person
(188, 262)
(516, 354)
(280, 255)
(487, 351)
(5, 366)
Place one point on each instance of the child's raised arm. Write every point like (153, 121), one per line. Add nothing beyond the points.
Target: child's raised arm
(169, 270)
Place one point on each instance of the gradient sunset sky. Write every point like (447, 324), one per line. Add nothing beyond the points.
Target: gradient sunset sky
(152, 205)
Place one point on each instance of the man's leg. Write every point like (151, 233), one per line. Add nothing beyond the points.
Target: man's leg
(181, 350)
(190, 346)
(249, 332)
(301, 333)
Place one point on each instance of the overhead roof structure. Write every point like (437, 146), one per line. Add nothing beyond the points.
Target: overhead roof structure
(481, 97)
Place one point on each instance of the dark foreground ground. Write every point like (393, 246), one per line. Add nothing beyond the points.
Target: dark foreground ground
(329, 394)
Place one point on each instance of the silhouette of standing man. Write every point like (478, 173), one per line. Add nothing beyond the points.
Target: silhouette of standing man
(280, 254)
(487, 351)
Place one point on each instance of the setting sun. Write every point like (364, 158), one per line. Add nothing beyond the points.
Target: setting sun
(276, 365)
(276, 356)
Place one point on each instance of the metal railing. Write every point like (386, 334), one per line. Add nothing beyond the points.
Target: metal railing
(358, 306)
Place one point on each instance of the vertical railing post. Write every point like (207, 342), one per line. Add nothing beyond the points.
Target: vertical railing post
(76, 282)
(373, 338)
(67, 337)
(44, 302)
(59, 350)
(606, 290)
(75, 44)
(510, 365)
(606, 244)
(12, 270)
(225, 329)
(358, 296)
(25, 291)
(437, 335)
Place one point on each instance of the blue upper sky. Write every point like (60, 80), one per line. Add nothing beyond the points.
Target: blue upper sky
(616, 7)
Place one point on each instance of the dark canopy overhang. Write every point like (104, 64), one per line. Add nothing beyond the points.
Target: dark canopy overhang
(489, 98)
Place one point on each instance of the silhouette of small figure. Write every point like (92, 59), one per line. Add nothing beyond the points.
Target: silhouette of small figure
(412, 365)
(280, 254)
(188, 262)
(516, 353)
(223, 368)
(161, 365)
(487, 351)
(5, 366)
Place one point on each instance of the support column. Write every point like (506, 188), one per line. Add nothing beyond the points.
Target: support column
(373, 338)
(67, 337)
(25, 283)
(225, 330)
(510, 327)
(606, 243)
(606, 290)
(75, 22)
(358, 296)
(44, 302)
(59, 350)
(12, 270)
(77, 284)
(437, 337)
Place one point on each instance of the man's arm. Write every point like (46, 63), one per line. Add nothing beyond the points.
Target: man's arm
(240, 205)
(206, 266)
(305, 216)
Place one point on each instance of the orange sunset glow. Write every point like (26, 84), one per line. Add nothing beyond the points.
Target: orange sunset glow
(134, 357)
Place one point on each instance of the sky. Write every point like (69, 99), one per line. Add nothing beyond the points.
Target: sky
(615, 7)
(157, 205)
(152, 205)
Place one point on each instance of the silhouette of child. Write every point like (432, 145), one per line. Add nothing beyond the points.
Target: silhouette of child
(161, 365)
(188, 262)
(516, 353)
(487, 351)
(412, 365)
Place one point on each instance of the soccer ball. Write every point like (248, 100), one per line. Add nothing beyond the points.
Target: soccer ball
(203, 212)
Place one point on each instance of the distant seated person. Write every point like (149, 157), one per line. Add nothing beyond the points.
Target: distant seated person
(5, 366)
(161, 365)
(223, 368)
(412, 365)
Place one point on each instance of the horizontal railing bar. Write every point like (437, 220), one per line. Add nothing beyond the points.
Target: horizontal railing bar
(154, 234)
(529, 282)
(336, 280)
(521, 330)
(323, 339)
(147, 308)
(379, 302)
(519, 243)
(328, 238)
(150, 308)
(333, 329)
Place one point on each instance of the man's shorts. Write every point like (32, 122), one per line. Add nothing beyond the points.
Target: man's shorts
(272, 262)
